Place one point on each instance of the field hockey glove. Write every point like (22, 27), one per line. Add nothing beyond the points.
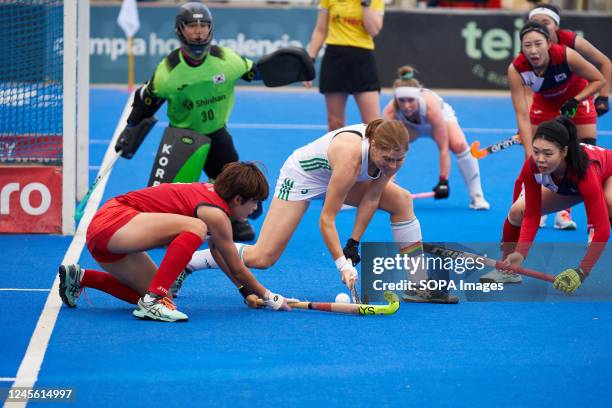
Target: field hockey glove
(347, 271)
(351, 251)
(442, 189)
(275, 301)
(569, 108)
(601, 105)
(569, 280)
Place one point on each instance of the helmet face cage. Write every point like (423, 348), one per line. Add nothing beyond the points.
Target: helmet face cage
(194, 13)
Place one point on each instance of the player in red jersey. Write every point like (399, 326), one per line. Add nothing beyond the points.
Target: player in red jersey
(570, 173)
(562, 81)
(549, 16)
(178, 216)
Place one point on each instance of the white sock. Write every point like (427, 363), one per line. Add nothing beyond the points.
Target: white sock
(204, 260)
(470, 170)
(407, 235)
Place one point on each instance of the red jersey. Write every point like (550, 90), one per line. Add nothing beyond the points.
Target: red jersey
(174, 198)
(567, 38)
(590, 188)
(557, 85)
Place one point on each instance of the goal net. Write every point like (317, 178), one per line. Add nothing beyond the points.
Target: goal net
(40, 87)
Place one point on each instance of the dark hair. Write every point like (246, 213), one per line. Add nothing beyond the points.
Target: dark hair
(534, 26)
(244, 179)
(563, 133)
(406, 77)
(388, 134)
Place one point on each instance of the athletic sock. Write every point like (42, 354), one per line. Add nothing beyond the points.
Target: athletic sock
(108, 283)
(510, 237)
(204, 260)
(177, 256)
(470, 170)
(407, 235)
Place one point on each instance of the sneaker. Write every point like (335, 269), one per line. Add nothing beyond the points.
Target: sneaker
(543, 221)
(70, 284)
(497, 276)
(178, 283)
(479, 203)
(242, 231)
(429, 296)
(563, 221)
(160, 308)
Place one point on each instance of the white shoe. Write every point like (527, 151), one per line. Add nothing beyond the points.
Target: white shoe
(543, 221)
(496, 276)
(160, 308)
(563, 221)
(479, 203)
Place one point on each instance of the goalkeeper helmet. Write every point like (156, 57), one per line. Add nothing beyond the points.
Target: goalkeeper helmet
(194, 13)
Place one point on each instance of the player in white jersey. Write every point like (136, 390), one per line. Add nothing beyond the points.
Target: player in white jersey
(425, 113)
(351, 165)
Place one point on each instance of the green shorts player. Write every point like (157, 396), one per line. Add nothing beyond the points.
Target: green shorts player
(198, 81)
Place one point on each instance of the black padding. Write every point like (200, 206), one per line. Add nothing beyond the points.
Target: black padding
(286, 66)
(132, 136)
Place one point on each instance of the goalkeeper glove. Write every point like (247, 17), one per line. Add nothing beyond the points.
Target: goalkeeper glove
(569, 280)
(601, 105)
(569, 108)
(351, 251)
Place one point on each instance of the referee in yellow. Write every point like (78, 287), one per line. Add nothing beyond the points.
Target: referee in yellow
(348, 27)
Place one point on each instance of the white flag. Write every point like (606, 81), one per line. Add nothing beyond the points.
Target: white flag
(128, 18)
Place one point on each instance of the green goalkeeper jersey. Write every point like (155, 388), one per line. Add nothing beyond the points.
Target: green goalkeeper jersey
(199, 98)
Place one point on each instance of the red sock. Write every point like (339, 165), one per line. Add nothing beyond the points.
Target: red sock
(108, 283)
(510, 237)
(177, 257)
(569, 210)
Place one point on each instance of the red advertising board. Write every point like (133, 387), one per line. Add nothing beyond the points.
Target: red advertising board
(30, 199)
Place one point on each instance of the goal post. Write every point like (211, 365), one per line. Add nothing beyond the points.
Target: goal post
(44, 109)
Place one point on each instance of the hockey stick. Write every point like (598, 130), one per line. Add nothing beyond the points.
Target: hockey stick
(355, 294)
(80, 209)
(452, 253)
(350, 308)
(426, 194)
(479, 153)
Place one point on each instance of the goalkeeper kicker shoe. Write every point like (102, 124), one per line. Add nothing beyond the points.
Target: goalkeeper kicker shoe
(242, 231)
(429, 296)
(497, 276)
(70, 284)
(178, 283)
(479, 203)
(157, 307)
(563, 221)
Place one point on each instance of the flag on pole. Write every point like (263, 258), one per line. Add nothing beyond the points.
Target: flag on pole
(130, 23)
(128, 18)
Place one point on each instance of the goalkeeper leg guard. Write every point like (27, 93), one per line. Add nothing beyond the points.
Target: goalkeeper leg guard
(181, 156)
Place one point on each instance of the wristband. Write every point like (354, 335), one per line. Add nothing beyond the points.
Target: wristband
(245, 292)
(341, 262)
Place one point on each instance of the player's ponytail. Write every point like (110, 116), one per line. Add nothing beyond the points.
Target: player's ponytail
(563, 133)
(576, 158)
(406, 76)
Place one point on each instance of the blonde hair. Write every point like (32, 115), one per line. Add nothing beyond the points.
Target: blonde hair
(405, 77)
(389, 135)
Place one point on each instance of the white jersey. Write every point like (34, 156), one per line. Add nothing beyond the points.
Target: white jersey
(306, 173)
(421, 126)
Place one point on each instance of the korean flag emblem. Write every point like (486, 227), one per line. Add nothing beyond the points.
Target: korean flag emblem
(219, 78)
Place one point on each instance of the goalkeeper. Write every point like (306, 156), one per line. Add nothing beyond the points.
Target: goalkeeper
(560, 173)
(198, 81)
